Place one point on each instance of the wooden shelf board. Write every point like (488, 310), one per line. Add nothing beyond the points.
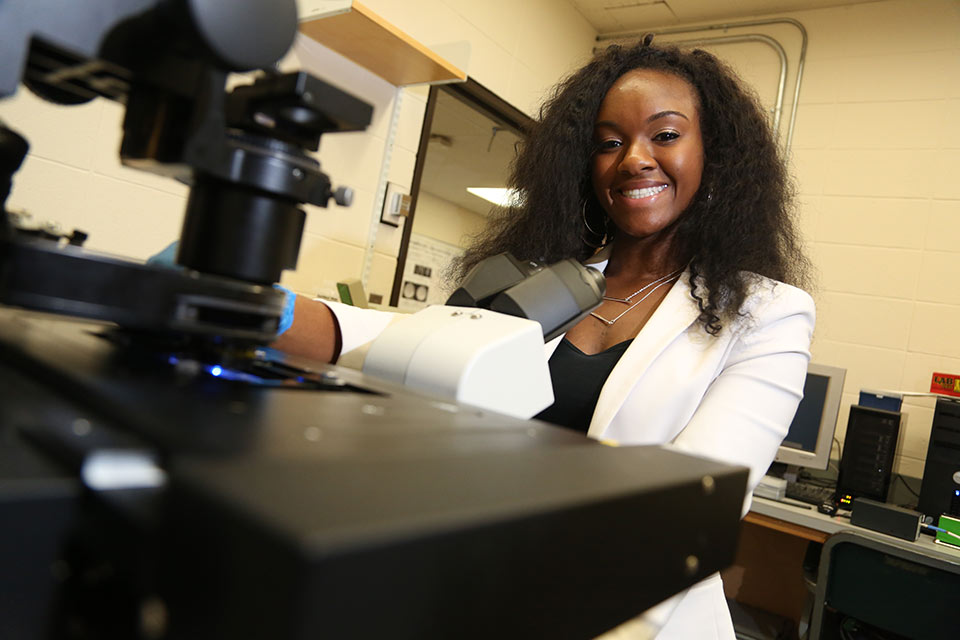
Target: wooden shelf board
(367, 39)
(786, 527)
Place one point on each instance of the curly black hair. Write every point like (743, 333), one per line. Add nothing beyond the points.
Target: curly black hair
(739, 222)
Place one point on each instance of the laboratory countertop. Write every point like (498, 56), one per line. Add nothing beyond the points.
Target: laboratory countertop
(827, 525)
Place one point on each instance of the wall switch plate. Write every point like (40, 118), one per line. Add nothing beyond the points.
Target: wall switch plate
(396, 205)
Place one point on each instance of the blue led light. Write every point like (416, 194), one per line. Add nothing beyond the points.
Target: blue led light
(172, 360)
(217, 371)
(957, 492)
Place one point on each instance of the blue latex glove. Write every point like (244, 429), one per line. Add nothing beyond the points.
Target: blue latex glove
(286, 319)
(166, 257)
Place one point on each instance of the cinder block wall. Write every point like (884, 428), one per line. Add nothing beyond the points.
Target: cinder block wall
(876, 152)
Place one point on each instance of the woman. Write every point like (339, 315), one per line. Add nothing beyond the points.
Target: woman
(661, 160)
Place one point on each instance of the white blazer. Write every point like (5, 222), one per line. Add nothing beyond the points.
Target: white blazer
(729, 397)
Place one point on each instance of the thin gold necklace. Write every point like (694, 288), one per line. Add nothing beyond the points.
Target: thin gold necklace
(656, 284)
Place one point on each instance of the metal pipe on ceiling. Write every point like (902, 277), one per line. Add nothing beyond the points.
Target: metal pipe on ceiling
(755, 37)
(733, 25)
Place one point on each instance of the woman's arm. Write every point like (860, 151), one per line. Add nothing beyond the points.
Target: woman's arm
(326, 330)
(315, 332)
(747, 410)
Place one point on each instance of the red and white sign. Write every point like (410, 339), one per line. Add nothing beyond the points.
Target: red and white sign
(946, 383)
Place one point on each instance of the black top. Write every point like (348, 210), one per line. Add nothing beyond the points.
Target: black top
(577, 381)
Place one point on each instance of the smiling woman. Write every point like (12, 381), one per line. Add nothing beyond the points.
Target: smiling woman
(655, 166)
(658, 167)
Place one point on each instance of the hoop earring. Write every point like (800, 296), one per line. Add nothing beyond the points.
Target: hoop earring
(583, 216)
(601, 235)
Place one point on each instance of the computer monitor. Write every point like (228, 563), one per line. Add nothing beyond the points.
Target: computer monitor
(810, 439)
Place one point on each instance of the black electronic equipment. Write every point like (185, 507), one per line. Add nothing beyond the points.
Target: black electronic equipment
(828, 507)
(809, 493)
(940, 490)
(886, 518)
(165, 475)
(869, 448)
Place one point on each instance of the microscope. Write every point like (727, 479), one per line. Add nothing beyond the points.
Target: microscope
(165, 474)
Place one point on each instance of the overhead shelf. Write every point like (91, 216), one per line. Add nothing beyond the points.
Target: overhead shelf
(367, 39)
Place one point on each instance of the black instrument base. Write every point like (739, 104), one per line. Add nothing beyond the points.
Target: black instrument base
(295, 512)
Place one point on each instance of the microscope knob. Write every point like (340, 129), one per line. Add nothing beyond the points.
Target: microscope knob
(343, 196)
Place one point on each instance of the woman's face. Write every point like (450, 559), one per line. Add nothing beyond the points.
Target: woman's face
(649, 151)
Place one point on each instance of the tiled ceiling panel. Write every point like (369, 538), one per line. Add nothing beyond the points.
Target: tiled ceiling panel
(629, 14)
(610, 16)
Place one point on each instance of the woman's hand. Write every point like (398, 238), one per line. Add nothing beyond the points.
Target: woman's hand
(314, 334)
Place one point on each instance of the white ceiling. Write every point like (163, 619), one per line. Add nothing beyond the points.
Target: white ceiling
(610, 16)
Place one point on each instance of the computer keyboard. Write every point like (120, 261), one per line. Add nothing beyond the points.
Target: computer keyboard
(809, 493)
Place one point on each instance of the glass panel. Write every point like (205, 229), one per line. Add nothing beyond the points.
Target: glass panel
(466, 148)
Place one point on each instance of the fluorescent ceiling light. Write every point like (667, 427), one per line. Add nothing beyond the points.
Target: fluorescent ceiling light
(497, 195)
